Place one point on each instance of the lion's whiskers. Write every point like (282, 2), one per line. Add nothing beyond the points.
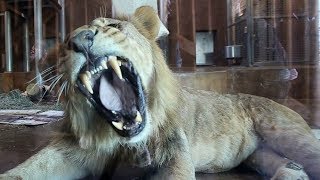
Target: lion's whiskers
(47, 71)
(55, 82)
(61, 89)
(55, 79)
(49, 79)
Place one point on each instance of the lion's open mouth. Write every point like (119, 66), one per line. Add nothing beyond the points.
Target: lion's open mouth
(114, 88)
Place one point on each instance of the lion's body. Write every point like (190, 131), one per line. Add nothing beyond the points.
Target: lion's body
(187, 130)
(216, 145)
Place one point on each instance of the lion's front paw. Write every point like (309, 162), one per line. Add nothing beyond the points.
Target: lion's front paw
(291, 171)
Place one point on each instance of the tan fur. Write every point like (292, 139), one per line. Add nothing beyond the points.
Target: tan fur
(187, 130)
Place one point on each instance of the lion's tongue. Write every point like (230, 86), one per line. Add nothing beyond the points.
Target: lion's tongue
(116, 94)
(108, 95)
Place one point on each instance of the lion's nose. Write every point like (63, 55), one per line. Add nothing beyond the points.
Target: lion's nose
(82, 41)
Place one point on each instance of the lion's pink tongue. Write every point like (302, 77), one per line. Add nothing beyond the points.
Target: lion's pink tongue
(108, 95)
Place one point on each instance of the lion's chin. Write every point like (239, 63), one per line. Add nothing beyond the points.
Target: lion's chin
(114, 88)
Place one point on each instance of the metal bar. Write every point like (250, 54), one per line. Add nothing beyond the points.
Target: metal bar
(55, 4)
(250, 31)
(8, 41)
(26, 47)
(62, 21)
(38, 36)
(228, 21)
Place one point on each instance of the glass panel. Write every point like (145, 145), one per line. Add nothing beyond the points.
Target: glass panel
(232, 92)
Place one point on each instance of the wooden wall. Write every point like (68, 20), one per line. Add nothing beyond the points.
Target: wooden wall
(81, 12)
(187, 17)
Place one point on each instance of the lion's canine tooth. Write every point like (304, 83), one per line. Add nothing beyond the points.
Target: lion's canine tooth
(88, 74)
(138, 117)
(100, 68)
(115, 66)
(119, 63)
(85, 80)
(118, 125)
(104, 64)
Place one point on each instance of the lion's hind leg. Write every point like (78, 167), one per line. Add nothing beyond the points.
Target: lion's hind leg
(269, 163)
(289, 135)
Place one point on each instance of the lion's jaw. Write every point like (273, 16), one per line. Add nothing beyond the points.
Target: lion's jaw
(117, 92)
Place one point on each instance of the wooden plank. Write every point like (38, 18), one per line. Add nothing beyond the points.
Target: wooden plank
(20, 80)
(187, 19)
(182, 33)
(52, 113)
(6, 80)
(220, 15)
(16, 80)
(19, 112)
(187, 45)
(205, 19)
(173, 24)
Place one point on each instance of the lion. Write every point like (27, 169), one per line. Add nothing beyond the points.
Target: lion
(123, 105)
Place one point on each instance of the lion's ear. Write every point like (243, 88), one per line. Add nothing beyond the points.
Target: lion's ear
(147, 21)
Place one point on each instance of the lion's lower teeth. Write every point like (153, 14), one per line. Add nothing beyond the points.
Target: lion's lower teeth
(86, 82)
(118, 125)
(115, 66)
(138, 118)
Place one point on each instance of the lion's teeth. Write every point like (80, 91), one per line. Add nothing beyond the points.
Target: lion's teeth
(115, 66)
(118, 125)
(100, 68)
(119, 63)
(85, 80)
(138, 117)
(104, 64)
(88, 74)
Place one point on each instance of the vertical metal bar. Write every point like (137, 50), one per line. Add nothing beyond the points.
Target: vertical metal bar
(229, 8)
(250, 31)
(113, 9)
(8, 41)
(37, 5)
(62, 21)
(26, 47)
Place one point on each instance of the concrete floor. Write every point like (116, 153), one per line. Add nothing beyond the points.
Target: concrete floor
(17, 143)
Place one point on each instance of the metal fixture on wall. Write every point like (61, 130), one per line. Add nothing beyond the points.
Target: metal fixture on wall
(204, 47)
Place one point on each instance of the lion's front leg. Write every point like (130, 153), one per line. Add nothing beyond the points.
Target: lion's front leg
(180, 167)
(49, 163)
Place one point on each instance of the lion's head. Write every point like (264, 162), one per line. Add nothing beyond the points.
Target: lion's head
(117, 76)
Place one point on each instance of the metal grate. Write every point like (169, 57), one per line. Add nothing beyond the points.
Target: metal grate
(283, 31)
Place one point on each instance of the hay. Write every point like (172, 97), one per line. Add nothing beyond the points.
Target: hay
(16, 100)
